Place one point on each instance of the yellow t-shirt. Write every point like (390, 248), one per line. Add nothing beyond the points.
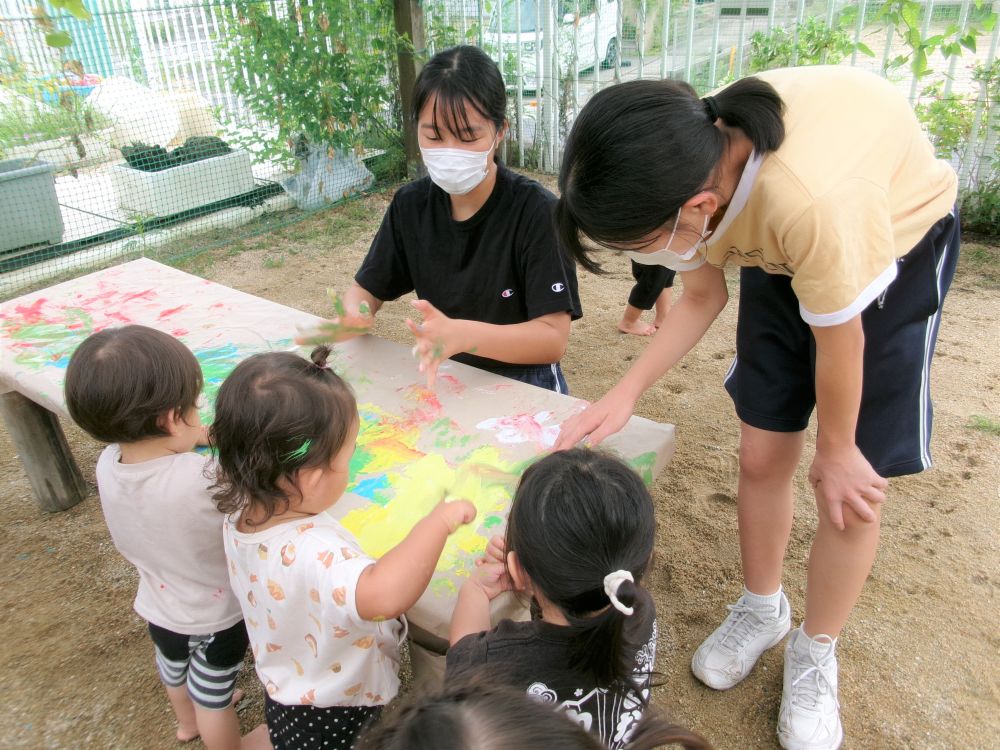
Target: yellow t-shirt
(854, 186)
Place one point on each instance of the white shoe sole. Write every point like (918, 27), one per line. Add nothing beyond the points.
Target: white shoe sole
(790, 743)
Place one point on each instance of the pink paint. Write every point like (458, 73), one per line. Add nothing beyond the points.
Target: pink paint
(31, 313)
(455, 385)
(178, 332)
(523, 428)
(171, 311)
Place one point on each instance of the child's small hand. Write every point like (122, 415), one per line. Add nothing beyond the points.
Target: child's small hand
(493, 579)
(496, 551)
(454, 513)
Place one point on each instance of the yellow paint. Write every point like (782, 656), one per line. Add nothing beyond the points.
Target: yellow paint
(485, 479)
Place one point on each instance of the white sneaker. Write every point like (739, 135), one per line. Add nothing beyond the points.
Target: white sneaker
(728, 654)
(809, 717)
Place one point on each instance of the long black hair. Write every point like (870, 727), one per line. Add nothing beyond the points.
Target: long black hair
(639, 150)
(577, 516)
(460, 77)
(276, 413)
(482, 715)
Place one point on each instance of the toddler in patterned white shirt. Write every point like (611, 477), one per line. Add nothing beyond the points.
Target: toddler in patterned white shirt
(322, 616)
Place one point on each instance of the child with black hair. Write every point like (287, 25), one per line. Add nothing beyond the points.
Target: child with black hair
(476, 714)
(579, 539)
(136, 388)
(323, 617)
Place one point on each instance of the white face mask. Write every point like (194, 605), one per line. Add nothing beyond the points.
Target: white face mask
(669, 258)
(455, 170)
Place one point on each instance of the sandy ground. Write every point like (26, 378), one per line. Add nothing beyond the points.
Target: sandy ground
(920, 658)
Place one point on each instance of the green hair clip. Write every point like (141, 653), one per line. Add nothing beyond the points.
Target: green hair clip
(299, 452)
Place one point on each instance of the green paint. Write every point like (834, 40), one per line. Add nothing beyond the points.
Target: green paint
(643, 464)
(363, 308)
(299, 452)
(492, 521)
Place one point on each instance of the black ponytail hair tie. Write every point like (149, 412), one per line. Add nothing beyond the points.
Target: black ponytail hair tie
(711, 108)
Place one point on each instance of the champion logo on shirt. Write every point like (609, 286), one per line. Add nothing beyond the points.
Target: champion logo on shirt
(558, 286)
(507, 293)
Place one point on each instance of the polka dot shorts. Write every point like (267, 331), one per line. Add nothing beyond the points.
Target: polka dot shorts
(315, 728)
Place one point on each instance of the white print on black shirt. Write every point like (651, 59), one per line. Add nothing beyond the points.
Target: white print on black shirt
(597, 709)
(507, 293)
(558, 286)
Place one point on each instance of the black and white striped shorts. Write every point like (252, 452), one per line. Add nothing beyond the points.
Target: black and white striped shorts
(207, 664)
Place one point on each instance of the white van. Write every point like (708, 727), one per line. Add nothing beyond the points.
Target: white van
(595, 31)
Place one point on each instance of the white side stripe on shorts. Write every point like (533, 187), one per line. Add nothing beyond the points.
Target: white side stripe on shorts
(930, 333)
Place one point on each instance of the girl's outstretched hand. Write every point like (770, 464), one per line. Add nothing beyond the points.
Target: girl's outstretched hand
(845, 478)
(437, 339)
(454, 513)
(596, 422)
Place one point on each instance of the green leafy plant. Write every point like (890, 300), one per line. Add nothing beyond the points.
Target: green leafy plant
(817, 43)
(980, 208)
(906, 16)
(28, 114)
(321, 73)
(948, 120)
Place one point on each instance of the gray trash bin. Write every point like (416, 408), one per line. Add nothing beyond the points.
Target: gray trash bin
(29, 209)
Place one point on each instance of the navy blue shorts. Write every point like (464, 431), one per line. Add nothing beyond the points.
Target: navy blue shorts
(650, 281)
(549, 377)
(772, 379)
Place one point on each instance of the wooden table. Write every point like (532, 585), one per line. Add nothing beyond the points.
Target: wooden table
(470, 437)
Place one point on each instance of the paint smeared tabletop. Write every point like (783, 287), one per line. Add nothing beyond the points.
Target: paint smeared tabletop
(471, 437)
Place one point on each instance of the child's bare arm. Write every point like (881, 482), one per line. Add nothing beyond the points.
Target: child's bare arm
(472, 611)
(393, 584)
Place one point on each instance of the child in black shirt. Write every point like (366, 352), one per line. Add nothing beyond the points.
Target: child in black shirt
(475, 241)
(579, 539)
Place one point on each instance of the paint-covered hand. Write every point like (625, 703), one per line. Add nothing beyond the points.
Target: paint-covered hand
(596, 422)
(454, 513)
(844, 477)
(346, 324)
(437, 339)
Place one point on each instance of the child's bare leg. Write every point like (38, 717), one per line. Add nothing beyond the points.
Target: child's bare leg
(257, 739)
(180, 701)
(764, 503)
(662, 307)
(630, 322)
(839, 563)
(219, 728)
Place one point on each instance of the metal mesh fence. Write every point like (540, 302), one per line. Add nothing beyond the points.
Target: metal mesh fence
(138, 130)
(153, 127)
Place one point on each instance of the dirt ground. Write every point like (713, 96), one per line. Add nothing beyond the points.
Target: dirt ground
(920, 658)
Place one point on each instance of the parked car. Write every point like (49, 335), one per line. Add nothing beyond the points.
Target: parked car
(594, 30)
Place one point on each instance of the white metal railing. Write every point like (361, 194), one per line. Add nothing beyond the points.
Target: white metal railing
(554, 54)
(554, 64)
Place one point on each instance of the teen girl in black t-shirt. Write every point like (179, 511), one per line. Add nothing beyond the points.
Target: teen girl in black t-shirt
(475, 241)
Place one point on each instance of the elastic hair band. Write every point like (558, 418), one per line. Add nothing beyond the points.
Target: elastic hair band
(612, 581)
(299, 452)
(711, 108)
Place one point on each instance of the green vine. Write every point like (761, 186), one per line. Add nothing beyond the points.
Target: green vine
(321, 72)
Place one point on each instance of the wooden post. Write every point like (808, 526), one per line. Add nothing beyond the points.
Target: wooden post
(409, 24)
(41, 444)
